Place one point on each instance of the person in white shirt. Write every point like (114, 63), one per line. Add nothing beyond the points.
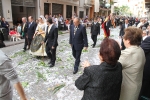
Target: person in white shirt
(144, 35)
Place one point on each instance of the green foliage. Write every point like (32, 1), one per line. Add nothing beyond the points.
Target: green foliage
(58, 59)
(18, 54)
(40, 76)
(57, 88)
(42, 63)
(21, 63)
(60, 32)
(84, 50)
(123, 10)
(24, 84)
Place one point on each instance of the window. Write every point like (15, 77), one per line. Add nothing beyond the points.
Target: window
(81, 14)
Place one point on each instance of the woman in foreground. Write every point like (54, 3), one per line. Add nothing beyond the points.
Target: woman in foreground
(102, 82)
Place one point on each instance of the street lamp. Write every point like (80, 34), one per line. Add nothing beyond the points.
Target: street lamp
(107, 5)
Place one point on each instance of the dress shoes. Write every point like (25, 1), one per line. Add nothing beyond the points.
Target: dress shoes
(49, 62)
(75, 71)
(51, 65)
(24, 50)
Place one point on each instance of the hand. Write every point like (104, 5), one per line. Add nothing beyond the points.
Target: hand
(42, 42)
(71, 45)
(23, 98)
(85, 64)
(38, 33)
(85, 48)
(53, 47)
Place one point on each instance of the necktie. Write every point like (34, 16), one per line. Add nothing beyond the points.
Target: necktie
(30, 25)
(75, 30)
(23, 26)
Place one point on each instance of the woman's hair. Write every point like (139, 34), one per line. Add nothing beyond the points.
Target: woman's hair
(134, 35)
(110, 51)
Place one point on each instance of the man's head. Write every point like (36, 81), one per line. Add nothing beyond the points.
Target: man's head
(30, 18)
(126, 21)
(49, 21)
(46, 16)
(76, 21)
(95, 19)
(24, 19)
(3, 19)
(144, 33)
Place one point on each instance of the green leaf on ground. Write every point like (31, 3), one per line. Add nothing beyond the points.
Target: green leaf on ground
(58, 59)
(40, 76)
(42, 63)
(24, 84)
(18, 54)
(57, 88)
(84, 50)
(21, 63)
(60, 32)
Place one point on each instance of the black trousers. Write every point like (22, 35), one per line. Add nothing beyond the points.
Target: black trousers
(76, 54)
(51, 53)
(94, 38)
(122, 44)
(145, 89)
(29, 42)
(25, 43)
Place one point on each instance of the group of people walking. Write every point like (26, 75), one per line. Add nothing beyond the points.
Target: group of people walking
(122, 74)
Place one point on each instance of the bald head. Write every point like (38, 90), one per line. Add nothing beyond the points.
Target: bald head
(76, 21)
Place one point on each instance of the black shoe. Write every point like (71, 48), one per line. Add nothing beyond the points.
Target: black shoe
(92, 44)
(75, 71)
(24, 50)
(51, 65)
(49, 62)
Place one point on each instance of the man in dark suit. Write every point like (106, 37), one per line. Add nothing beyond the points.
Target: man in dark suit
(51, 41)
(123, 27)
(146, 23)
(6, 25)
(78, 40)
(24, 29)
(145, 89)
(95, 30)
(31, 30)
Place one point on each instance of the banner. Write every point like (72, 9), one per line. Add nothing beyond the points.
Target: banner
(96, 5)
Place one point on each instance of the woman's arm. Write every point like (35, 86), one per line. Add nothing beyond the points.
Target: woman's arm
(83, 80)
(20, 91)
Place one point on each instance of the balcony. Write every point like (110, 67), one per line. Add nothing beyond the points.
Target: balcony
(88, 3)
(75, 0)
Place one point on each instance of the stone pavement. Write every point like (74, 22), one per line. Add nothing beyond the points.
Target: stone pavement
(43, 83)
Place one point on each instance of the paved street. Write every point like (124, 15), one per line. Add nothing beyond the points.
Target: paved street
(43, 83)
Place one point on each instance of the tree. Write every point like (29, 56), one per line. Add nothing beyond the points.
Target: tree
(123, 10)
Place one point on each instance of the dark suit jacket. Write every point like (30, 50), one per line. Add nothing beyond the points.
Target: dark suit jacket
(146, 24)
(101, 82)
(79, 40)
(107, 26)
(4, 24)
(146, 47)
(51, 37)
(122, 29)
(25, 28)
(31, 30)
(95, 28)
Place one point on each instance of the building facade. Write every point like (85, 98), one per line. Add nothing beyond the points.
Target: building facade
(66, 8)
(14, 10)
(86, 8)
